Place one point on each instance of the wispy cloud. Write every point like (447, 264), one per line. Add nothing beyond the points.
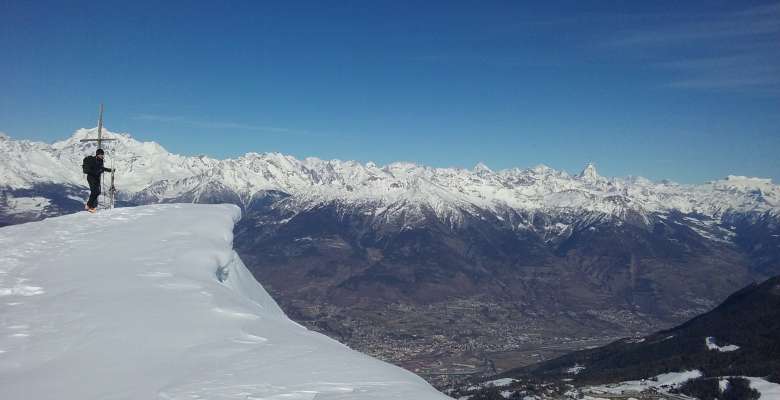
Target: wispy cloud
(754, 71)
(486, 59)
(736, 50)
(217, 125)
(744, 24)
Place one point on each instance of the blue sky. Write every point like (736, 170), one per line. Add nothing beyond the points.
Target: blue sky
(688, 91)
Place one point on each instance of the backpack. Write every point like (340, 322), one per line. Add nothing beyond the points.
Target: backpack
(87, 164)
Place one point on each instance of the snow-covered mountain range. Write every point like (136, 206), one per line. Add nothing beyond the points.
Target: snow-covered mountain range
(335, 242)
(130, 304)
(148, 173)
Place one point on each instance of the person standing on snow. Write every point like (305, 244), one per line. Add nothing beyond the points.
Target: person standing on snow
(93, 167)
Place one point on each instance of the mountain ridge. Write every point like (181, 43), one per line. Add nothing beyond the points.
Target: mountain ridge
(147, 170)
(491, 263)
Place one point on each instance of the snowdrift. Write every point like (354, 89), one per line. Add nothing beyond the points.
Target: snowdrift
(153, 303)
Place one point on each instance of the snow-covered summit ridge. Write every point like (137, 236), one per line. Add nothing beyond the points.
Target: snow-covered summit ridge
(147, 170)
(152, 302)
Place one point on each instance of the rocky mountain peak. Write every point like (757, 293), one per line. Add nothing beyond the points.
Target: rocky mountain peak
(481, 168)
(589, 174)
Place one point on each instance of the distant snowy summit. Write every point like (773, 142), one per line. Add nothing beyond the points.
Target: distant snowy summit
(130, 304)
(147, 173)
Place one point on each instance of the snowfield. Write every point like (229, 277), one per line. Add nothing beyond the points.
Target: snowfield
(711, 345)
(663, 381)
(768, 390)
(153, 303)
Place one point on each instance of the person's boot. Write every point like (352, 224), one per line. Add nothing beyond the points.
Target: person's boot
(92, 210)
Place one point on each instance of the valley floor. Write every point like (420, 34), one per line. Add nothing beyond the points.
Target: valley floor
(451, 342)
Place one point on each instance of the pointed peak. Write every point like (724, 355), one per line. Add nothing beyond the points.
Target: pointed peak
(590, 168)
(589, 173)
(481, 167)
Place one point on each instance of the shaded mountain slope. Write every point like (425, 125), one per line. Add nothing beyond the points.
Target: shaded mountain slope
(739, 337)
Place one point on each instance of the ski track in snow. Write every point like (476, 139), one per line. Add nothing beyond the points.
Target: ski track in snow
(128, 303)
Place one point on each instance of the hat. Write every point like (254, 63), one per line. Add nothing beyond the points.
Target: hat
(99, 152)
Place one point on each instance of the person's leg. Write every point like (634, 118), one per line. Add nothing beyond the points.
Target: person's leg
(94, 191)
(92, 194)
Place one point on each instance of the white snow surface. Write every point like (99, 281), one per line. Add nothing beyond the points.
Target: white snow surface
(711, 345)
(500, 382)
(768, 390)
(669, 380)
(146, 169)
(723, 384)
(153, 303)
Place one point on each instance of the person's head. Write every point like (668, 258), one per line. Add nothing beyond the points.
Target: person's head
(99, 153)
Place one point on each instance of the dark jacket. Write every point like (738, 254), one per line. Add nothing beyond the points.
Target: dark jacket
(95, 166)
